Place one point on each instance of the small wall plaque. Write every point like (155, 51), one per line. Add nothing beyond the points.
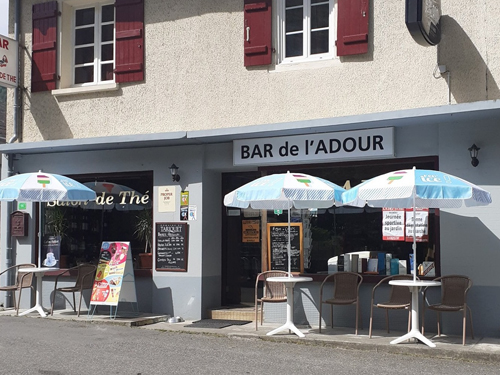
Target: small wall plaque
(19, 224)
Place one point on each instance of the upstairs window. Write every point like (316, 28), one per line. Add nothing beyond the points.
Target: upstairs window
(306, 30)
(93, 57)
(84, 43)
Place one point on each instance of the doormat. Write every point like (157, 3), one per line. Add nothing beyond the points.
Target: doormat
(216, 323)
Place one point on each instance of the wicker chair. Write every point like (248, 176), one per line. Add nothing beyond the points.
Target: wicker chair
(271, 292)
(399, 298)
(345, 292)
(84, 280)
(454, 289)
(23, 280)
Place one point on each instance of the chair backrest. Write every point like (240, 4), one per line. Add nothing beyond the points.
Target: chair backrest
(24, 279)
(454, 289)
(346, 285)
(271, 290)
(399, 294)
(85, 277)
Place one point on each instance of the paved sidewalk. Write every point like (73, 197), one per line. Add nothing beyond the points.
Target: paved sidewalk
(483, 349)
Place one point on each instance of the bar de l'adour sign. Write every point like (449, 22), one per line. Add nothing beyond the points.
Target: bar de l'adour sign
(358, 144)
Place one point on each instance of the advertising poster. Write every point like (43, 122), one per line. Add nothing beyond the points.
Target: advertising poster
(251, 230)
(166, 199)
(51, 251)
(184, 205)
(393, 224)
(110, 272)
(421, 227)
(8, 61)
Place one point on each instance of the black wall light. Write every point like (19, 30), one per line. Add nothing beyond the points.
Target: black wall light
(474, 150)
(173, 172)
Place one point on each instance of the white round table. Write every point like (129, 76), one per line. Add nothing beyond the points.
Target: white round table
(289, 283)
(39, 272)
(415, 326)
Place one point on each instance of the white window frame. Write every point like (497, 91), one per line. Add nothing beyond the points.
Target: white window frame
(97, 45)
(306, 56)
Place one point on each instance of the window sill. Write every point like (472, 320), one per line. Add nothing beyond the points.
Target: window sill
(303, 65)
(86, 89)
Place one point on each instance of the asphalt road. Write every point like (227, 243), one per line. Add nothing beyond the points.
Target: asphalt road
(49, 347)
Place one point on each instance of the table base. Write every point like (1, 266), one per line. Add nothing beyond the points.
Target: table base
(39, 308)
(414, 333)
(287, 326)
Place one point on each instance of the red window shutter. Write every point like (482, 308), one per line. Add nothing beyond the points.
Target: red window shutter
(257, 32)
(129, 64)
(352, 29)
(44, 47)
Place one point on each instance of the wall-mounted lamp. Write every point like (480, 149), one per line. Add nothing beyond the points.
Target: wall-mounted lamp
(474, 150)
(173, 172)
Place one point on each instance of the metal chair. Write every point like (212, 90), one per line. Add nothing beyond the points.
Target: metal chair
(84, 280)
(399, 298)
(345, 292)
(454, 289)
(23, 280)
(271, 292)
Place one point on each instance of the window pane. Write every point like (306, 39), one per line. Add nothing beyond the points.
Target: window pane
(84, 36)
(294, 45)
(107, 72)
(85, 16)
(318, 1)
(107, 33)
(319, 16)
(84, 55)
(294, 20)
(107, 52)
(108, 13)
(293, 3)
(319, 42)
(84, 74)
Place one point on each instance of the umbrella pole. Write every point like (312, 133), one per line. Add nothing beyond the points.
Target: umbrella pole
(414, 241)
(39, 234)
(289, 249)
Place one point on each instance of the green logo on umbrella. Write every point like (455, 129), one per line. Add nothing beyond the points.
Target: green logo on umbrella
(302, 179)
(395, 178)
(42, 179)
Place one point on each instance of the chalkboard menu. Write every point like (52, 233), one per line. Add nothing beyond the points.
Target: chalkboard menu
(277, 244)
(171, 246)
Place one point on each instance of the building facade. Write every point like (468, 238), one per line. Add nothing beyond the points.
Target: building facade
(117, 91)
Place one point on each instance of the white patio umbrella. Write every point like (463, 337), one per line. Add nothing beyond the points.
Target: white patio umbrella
(283, 192)
(43, 187)
(415, 188)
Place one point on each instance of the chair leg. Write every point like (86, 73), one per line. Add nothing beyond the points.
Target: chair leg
(52, 304)
(74, 302)
(409, 322)
(18, 300)
(439, 322)
(387, 319)
(331, 314)
(464, 326)
(371, 322)
(80, 304)
(256, 316)
(320, 305)
(470, 323)
(261, 312)
(357, 318)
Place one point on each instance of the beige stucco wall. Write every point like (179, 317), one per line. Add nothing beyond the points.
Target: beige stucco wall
(195, 78)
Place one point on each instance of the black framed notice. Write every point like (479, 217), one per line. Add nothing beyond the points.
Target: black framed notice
(277, 244)
(171, 249)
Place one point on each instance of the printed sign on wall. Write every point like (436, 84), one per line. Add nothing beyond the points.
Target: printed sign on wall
(421, 226)
(393, 224)
(8, 62)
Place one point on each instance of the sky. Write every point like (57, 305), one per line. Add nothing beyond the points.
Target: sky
(4, 17)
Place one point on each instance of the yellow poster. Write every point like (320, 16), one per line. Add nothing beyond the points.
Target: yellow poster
(251, 231)
(109, 275)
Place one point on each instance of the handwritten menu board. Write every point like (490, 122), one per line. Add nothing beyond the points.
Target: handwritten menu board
(171, 246)
(277, 244)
